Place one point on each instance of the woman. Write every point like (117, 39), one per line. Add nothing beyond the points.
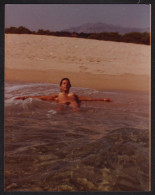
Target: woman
(65, 97)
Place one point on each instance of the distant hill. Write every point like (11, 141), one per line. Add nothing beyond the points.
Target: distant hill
(101, 27)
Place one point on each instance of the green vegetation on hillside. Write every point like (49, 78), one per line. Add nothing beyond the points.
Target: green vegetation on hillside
(133, 37)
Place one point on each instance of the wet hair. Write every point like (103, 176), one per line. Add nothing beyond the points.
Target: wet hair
(67, 80)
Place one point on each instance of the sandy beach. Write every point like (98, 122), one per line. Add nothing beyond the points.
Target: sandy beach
(88, 63)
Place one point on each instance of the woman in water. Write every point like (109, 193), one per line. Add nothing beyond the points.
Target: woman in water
(65, 97)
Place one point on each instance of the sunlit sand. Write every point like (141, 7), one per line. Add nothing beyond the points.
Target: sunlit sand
(88, 63)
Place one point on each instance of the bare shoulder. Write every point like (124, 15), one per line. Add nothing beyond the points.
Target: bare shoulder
(60, 94)
(71, 94)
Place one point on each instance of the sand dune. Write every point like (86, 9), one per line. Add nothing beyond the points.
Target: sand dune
(88, 63)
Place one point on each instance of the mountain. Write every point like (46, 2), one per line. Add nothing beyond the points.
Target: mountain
(101, 27)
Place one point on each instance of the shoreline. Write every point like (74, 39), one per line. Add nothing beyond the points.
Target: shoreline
(127, 82)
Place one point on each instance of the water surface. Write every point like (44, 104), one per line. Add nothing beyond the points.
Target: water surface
(103, 147)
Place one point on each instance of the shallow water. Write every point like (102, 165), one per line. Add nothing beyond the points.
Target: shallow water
(103, 147)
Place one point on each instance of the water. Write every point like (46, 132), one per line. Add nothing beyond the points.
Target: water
(103, 147)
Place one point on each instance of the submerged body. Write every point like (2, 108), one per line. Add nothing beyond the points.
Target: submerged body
(64, 97)
(68, 99)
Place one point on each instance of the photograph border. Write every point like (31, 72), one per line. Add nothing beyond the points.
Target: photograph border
(2, 84)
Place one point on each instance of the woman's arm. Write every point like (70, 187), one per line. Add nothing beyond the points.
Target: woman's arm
(94, 99)
(46, 98)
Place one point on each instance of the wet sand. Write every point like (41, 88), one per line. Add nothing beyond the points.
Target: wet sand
(96, 81)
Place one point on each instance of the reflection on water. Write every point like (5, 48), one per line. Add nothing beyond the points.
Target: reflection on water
(104, 147)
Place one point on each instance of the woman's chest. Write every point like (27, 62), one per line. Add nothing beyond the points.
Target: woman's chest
(64, 98)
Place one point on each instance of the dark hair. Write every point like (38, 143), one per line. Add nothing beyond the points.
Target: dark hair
(67, 80)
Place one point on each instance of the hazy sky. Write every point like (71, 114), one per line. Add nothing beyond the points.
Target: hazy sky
(61, 16)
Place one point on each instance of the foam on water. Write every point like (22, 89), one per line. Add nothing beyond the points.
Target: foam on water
(21, 89)
(52, 111)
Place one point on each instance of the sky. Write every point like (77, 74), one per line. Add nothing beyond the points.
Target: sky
(55, 17)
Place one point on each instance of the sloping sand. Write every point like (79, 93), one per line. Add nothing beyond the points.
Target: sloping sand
(88, 63)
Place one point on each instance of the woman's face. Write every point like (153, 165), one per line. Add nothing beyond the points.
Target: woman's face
(65, 86)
